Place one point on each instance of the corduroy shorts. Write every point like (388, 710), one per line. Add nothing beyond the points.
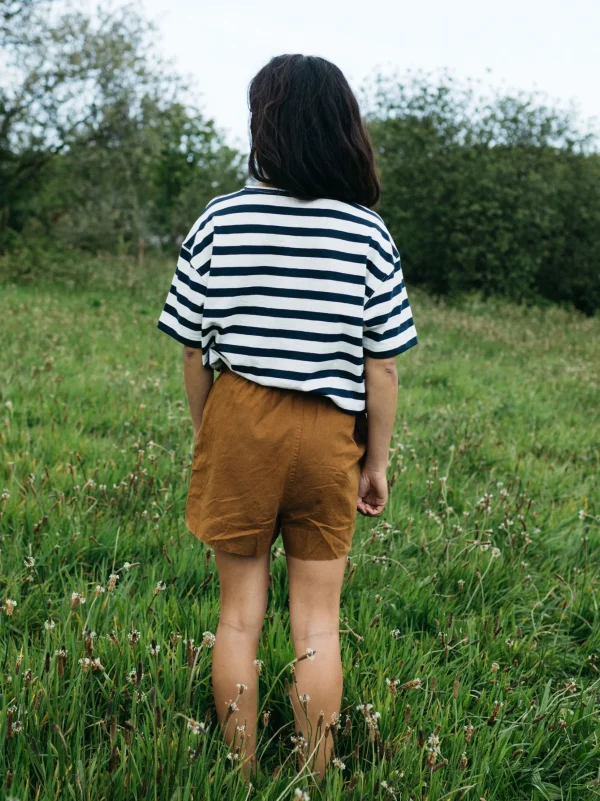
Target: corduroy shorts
(268, 460)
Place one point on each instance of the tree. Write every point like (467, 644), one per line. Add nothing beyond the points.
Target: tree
(97, 147)
(496, 194)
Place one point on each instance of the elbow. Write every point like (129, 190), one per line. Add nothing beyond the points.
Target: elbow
(386, 368)
(192, 353)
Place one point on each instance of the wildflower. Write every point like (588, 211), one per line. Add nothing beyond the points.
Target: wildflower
(233, 756)
(49, 625)
(304, 699)
(112, 581)
(495, 553)
(468, 733)
(494, 714)
(414, 684)
(463, 761)
(461, 585)
(484, 546)
(494, 667)
(232, 706)
(5, 495)
(90, 664)
(301, 795)
(9, 606)
(99, 590)
(29, 561)
(299, 742)
(154, 648)
(208, 639)
(258, 666)
(308, 654)
(17, 727)
(433, 742)
(338, 763)
(197, 727)
(266, 718)
(395, 633)
(76, 599)
(581, 514)
(241, 688)
(508, 642)
(160, 587)
(133, 637)
(132, 676)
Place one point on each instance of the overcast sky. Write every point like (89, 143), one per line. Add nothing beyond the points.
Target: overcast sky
(527, 44)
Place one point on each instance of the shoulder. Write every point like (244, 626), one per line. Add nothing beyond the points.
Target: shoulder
(202, 226)
(381, 245)
(381, 239)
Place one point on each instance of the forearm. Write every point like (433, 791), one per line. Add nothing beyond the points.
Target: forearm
(198, 382)
(382, 400)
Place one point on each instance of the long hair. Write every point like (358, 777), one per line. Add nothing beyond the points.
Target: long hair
(307, 135)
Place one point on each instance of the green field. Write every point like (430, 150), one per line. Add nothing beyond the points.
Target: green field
(470, 612)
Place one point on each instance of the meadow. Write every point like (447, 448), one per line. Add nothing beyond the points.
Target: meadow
(470, 619)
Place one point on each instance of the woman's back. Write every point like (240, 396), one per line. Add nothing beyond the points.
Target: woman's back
(290, 293)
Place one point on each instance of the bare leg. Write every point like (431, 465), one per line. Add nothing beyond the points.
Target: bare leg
(315, 588)
(244, 581)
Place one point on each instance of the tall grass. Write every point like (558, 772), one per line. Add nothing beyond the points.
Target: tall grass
(469, 619)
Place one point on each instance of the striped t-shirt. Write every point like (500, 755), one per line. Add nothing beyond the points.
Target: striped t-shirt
(290, 293)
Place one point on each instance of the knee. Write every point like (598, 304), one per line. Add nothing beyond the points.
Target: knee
(243, 620)
(307, 630)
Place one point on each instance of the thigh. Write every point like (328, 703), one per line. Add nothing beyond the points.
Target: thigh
(244, 583)
(315, 588)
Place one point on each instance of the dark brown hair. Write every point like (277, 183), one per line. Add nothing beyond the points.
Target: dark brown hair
(307, 133)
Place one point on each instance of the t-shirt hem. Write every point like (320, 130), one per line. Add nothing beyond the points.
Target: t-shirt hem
(387, 354)
(190, 343)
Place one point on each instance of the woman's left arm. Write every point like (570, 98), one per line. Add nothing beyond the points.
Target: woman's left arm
(198, 382)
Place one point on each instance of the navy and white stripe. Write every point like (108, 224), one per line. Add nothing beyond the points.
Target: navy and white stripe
(290, 293)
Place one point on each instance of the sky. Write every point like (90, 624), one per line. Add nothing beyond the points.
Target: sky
(542, 45)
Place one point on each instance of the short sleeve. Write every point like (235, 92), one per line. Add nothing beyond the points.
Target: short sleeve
(181, 317)
(389, 328)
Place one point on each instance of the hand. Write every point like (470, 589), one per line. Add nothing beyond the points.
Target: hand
(372, 493)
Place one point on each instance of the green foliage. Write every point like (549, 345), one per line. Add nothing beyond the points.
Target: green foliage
(98, 147)
(101, 151)
(496, 447)
(498, 195)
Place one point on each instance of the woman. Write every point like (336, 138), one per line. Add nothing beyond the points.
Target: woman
(292, 289)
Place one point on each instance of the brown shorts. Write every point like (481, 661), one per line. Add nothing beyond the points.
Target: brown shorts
(268, 460)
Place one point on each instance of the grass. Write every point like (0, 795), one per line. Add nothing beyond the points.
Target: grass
(469, 612)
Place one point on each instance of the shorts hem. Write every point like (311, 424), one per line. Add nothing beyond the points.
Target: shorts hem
(227, 545)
